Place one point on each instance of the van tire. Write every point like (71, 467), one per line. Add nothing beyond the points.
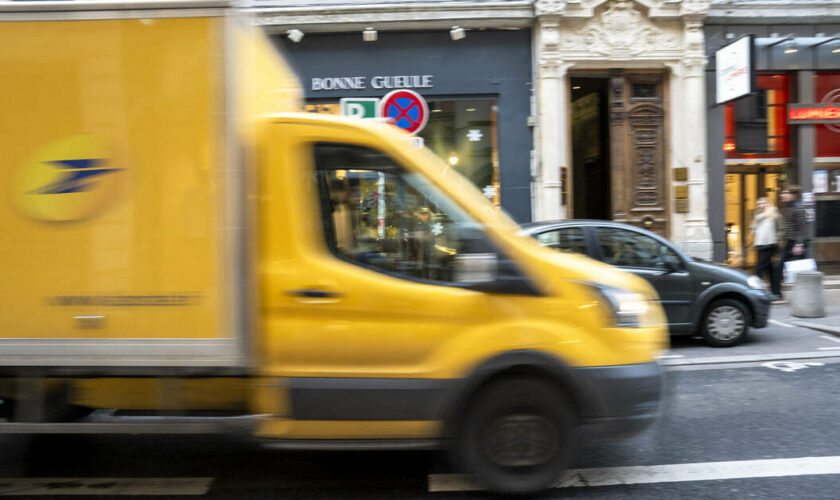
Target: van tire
(536, 417)
(725, 323)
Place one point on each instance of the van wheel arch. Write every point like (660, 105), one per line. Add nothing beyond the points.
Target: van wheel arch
(510, 365)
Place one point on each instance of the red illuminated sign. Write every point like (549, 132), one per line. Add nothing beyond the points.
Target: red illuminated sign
(814, 113)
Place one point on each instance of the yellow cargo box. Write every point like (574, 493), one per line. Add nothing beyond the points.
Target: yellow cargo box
(123, 135)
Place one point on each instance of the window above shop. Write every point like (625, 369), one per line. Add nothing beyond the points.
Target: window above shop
(827, 90)
(756, 126)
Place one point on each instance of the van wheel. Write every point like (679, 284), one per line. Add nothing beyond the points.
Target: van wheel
(726, 323)
(518, 436)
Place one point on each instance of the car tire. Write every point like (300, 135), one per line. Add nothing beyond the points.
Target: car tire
(518, 435)
(725, 323)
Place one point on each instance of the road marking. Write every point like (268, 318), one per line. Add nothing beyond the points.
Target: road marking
(672, 473)
(827, 348)
(780, 323)
(671, 356)
(789, 366)
(31, 486)
(827, 337)
(723, 362)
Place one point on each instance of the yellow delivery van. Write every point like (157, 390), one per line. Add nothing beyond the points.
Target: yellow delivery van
(175, 238)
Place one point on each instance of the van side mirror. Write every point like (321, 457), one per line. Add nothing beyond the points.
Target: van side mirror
(476, 268)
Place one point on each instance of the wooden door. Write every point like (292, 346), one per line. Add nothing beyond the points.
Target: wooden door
(637, 128)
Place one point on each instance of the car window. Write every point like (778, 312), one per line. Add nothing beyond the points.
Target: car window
(379, 216)
(570, 239)
(620, 247)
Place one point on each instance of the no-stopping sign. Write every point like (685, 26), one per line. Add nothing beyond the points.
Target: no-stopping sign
(406, 109)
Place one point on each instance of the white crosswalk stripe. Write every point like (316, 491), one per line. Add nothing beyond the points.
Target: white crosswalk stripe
(707, 471)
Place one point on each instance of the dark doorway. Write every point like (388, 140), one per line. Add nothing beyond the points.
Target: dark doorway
(590, 149)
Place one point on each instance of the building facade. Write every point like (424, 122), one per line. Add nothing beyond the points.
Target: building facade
(584, 108)
(754, 148)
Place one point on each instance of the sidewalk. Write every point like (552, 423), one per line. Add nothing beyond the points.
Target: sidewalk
(830, 323)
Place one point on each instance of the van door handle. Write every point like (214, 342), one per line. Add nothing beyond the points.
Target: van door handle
(311, 293)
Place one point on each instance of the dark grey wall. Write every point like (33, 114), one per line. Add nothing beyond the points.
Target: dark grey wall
(485, 63)
(716, 168)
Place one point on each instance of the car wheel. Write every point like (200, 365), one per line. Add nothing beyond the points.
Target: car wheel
(518, 436)
(726, 323)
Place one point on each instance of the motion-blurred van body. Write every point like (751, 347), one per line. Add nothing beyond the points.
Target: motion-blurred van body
(176, 237)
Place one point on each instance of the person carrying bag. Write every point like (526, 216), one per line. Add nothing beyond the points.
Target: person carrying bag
(767, 232)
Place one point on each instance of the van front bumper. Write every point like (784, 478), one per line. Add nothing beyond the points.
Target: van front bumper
(620, 400)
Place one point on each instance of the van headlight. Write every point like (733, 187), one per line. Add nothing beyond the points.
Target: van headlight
(755, 283)
(629, 309)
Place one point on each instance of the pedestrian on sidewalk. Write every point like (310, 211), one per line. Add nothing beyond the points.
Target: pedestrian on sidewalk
(767, 227)
(795, 227)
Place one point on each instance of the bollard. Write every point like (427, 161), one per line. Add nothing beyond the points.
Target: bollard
(808, 301)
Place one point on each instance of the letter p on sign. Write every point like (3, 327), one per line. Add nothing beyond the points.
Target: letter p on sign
(359, 107)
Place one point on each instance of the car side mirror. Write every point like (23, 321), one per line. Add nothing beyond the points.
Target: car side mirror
(672, 264)
(476, 268)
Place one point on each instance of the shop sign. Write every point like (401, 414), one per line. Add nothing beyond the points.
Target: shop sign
(359, 107)
(814, 113)
(405, 109)
(377, 82)
(735, 69)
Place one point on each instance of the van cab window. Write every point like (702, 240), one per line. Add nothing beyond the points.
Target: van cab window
(630, 249)
(380, 216)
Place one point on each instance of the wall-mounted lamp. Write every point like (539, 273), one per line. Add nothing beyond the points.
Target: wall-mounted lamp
(790, 48)
(295, 35)
(457, 33)
(369, 35)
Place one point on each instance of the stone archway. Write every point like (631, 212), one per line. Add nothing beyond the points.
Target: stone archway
(650, 137)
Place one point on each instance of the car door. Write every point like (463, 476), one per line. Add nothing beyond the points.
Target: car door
(652, 260)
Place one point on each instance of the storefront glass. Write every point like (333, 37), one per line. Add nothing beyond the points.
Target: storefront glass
(743, 187)
(463, 133)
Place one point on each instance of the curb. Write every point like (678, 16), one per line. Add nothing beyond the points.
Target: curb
(818, 327)
(827, 285)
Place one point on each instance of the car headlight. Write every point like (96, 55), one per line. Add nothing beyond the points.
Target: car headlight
(755, 283)
(629, 309)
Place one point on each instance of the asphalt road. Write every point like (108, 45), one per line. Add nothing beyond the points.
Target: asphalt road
(715, 414)
(756, 421)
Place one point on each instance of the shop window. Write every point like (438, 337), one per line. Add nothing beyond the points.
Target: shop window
(756, 125)
(461, 132)
(827, 89)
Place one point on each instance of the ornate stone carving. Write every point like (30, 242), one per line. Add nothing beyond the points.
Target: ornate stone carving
(693, 66)
(549, 7)
(621, 31)
(694, 37)
(695, 7)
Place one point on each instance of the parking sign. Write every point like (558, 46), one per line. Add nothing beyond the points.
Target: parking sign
(359, 107)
